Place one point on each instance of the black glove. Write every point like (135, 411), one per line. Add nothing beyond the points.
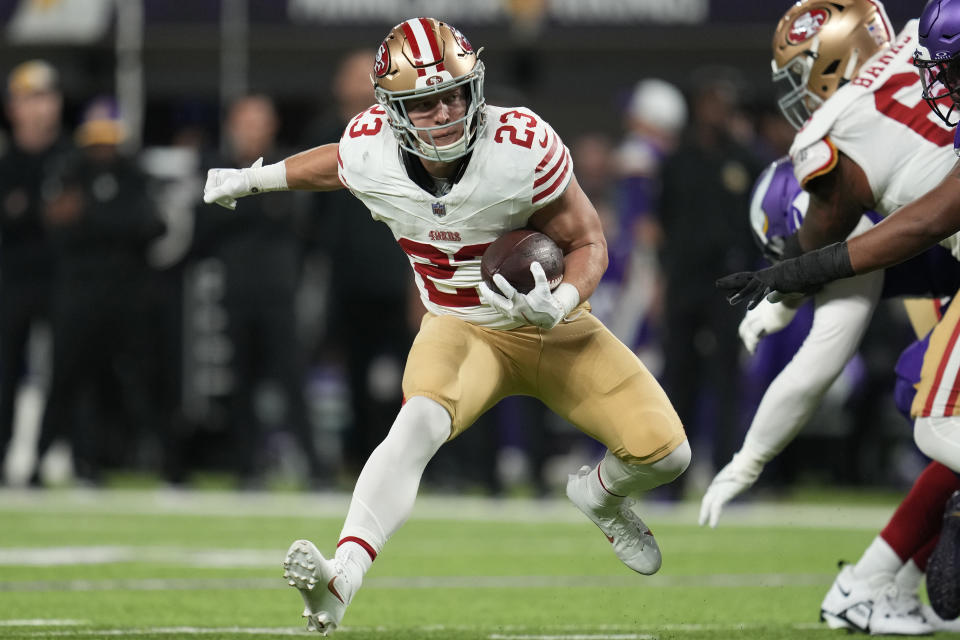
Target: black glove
(804, 274)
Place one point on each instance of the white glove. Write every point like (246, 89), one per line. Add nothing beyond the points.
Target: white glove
(765, 318)
(224, 186)
(735, 478)
(540, 307)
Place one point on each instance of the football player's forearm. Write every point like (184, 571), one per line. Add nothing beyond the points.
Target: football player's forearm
(583, 267)
(909, 230)
(314, 169)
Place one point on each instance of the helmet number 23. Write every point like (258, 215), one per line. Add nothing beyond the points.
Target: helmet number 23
(526, 122)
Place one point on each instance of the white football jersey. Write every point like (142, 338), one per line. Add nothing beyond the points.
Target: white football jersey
(518, 165)
(880, 121)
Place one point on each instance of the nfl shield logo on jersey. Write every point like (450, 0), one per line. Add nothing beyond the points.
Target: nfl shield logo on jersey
(439, 209)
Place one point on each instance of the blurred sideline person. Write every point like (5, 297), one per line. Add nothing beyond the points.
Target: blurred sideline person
(655, 118)
(704, 231)
(260, 248)
(101, 220)
(842, 312)
(33, 108)
(865, 144)
(449, 174)
(367, 303)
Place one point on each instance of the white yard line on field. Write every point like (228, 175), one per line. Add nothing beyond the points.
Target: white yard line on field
(428, 507)
(174, 631)
(547, 632)
(436, 582)
(575, 636)
(42, 622)
(111, 554)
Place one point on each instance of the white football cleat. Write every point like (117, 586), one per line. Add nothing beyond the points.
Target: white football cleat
(632, 541)
(899, 613)
(324, 585)
(854, 603)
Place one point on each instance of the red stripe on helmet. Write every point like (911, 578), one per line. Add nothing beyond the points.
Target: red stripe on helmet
(412, 40)
(431, 38)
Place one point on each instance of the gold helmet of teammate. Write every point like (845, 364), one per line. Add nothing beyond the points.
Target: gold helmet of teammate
(424, 57)
(818, 47)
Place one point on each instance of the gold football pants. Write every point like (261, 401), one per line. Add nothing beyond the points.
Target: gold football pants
(578, 369)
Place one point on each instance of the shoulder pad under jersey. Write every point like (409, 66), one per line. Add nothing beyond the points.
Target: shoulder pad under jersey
(538, 154)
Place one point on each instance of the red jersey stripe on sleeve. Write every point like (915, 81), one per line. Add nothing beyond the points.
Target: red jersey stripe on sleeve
(564, 157)
(561, 179)
(549, 155)
(340, 170)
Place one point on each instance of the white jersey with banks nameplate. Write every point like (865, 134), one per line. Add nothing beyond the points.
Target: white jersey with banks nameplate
(880, 121)
(518, 165)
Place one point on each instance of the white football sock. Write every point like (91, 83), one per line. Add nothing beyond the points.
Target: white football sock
(879, 564)
(612, 479)
(909, 577)
(387, 486)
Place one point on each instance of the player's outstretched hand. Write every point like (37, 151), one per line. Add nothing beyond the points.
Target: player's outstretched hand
(540, 307)
(804, 274)
(739, 475)
(224, 186)
(766, 318)
(745, 285)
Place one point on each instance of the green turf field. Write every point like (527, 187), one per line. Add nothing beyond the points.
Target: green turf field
(154, 564)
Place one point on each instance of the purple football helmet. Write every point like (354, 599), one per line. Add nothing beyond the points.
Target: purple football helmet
(777, 207)
(938, 58)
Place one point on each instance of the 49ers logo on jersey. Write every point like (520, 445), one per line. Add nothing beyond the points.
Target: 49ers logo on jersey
(807, 25)
(461, 40)
(445, 236)
(382, 62)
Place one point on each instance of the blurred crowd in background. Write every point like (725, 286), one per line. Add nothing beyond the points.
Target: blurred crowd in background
(144, 331)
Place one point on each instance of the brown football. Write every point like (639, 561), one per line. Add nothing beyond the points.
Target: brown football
(511, 254)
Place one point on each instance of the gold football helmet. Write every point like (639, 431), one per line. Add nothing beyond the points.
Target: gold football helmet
(422, 57)
(818, 47)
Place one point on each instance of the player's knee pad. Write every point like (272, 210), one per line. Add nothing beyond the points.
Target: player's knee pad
(675, 462)
(421, 420)
(939, 439)
(626, 478)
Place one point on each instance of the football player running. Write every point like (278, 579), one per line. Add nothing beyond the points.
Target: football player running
(449, 174)
(881, 589)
